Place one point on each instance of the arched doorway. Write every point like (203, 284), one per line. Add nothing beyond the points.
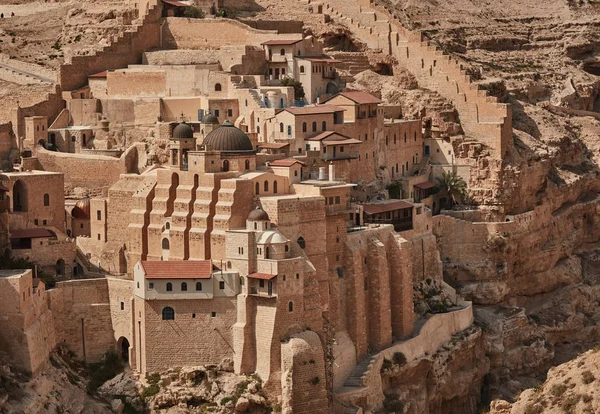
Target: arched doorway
(60, 267)
(332, 88)
(123, 346)
(19, 196)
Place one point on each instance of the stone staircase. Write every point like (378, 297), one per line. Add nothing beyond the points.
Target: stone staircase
(481, 116)
(352, 64)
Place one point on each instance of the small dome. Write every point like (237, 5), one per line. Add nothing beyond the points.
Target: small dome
(228, 138)
(82, 209)
(271, 237)
(210, 119)
(183, 131)
(258, 214)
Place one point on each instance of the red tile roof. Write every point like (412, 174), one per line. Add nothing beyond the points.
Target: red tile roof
(286, 162)
(186, 269)
(359, 97)
(312, 110)
(385, 207)
(322, 136)
(273, 145)
(98, 75)
(282, 42)
(30, 233)
(342, 142)
(425, 186)
(263, 276)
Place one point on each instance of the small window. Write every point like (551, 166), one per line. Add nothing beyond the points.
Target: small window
(183, 287)
(302, 69)
(169, 287)
(230, 112)
(291, 306)
(282, 52)
(44, 222)
(301, 242)
(314, 127)
(297, 276)
(168, 314)
(198, 286)
(80, 225)
(98, 214)
(36, 222)
(266, 186)
(217, 113)
(193, 316)
(324, 126)
(261, 283)
(222, 285)
(122, 305)
(281, 127)
(287, 248)
(138, 285)
(257, 189)
(150, 285)
(304, 127)
(167, 225)
(275, 187)
(46, 200)
(166, 245)
(218, 87)
(213, 314)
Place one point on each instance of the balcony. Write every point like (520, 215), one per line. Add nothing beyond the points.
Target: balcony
(400, 223)
(278, 58)
(342, 208)
(261, 292)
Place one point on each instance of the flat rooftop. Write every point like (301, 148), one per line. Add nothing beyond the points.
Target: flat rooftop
(13, 272)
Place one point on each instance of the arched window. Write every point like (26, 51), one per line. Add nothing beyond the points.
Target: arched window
(282, 52)
(289, 130)
(304, 127)
(257, 189)
(275, 187)
(183, 287)
(198, 286)
(169, 287)
(314, 127)
(266, 186)
(301, 242)
(247, 164)
(287, 248)
(165, 244)
(225, 165)
(46, 200)
(168, 314)
(290, 306)
(281, 127)
(302, 69)
(218, 87)
(266, 252)
(323, 126)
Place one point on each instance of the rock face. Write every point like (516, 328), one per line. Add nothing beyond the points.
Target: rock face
(571, 387)
(446, 382)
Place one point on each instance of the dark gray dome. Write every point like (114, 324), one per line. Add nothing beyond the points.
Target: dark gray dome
(228, 138)
(210, 119)
(258, 214)
(183, 131)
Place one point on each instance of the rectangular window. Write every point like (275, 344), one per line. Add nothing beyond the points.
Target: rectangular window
(98, 215)
(150, 285)
(230, 112)
(98, 236)
(44, 222)
(337, 199)
(193, 315)
(217, 113)
(213, 314)
(122, 305)
(36, 222)
(418, 210)
(261, 283)
(222, 285)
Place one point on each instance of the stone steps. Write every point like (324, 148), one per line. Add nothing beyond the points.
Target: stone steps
(355, 378)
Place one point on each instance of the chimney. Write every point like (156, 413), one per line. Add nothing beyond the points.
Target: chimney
(331, 172)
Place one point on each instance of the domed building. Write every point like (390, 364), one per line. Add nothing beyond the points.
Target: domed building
(227, 148)
(182, 141)
(80, 218)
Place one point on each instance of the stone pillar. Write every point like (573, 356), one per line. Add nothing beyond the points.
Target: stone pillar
(380, 315)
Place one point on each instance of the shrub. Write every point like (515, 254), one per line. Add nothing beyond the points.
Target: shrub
(399, 359)
(221, 13)
(153, 378)
(225, 400)
(150, 391)
(297, 85)
(110, 366)
(558, 389)
(77, 38)
(56, 46)
(588, 377)
(193, 13)
(386, 365)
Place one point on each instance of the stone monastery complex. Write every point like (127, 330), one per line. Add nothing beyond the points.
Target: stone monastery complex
(223, 214)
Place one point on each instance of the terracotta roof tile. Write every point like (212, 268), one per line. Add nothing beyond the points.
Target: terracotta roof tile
(30, 233)
(425, 186)
(282, 42)
(359, 97)
(186, 269)
(286, 162)
(273, 145)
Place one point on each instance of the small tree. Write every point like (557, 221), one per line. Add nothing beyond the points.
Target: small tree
(193, 13)
(221, 13)
(395, 189)
(453, 185)
(297, 85)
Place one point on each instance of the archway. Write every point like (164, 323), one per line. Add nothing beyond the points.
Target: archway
(332, 88)
(123, 346)
(19, 196)
(60, 267)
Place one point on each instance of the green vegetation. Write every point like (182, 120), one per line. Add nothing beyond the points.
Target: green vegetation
(100, 372)
(56, 45)
(77, 38)
(395, 189)
(193, 13)
(297, 85)
(399, 359)
(221, 13)
(454, 185)
(588, 377)
(225, 400)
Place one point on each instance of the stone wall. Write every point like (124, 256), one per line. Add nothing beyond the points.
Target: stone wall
(83, 314)
(184, 33)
